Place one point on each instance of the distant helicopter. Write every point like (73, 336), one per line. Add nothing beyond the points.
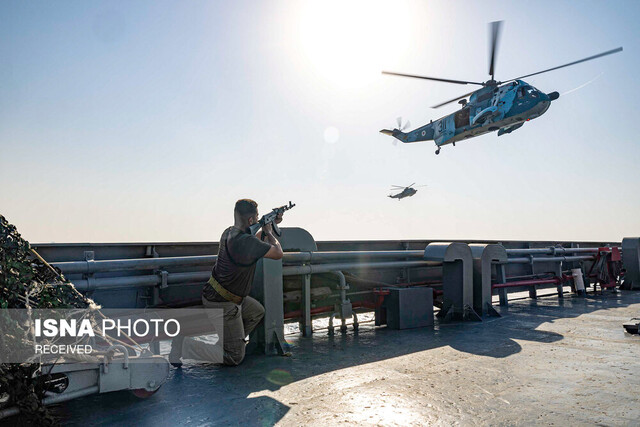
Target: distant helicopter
(407, 191)
(502, 106)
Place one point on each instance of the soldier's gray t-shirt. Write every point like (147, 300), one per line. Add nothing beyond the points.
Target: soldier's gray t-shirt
(237, 256)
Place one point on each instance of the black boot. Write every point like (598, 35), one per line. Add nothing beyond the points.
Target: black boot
(175, 356)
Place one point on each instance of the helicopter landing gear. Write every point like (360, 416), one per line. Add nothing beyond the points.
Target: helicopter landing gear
(438, 150)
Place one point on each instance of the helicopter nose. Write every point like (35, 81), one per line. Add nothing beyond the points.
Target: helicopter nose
(553, 96)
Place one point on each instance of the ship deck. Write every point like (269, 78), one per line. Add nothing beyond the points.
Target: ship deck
(546, 361)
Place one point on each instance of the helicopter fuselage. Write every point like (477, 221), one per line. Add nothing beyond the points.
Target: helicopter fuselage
(502, 108)
(497, 106)
(407, 192)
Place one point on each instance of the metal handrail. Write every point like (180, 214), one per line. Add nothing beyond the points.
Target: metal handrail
(325, 256)
(323, 261)
(103, 266)
(294, 270)
(527, 260)
(139, 281)
(89, 267)
(551, 250)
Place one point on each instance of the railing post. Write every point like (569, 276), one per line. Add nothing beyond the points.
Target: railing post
(502, 278)
(457, 279)
(268, 337)
(306, 324)
(484, 255)
(560, 287)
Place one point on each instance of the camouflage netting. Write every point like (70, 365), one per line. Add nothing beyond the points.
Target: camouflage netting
(26, 281)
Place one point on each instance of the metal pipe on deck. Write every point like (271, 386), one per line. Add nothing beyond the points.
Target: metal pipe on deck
(345, 308)
(527, 260)
(525, 283)
(89, 267)
(295, 270)
(7, 412)
(139, 281)
(342, 286)
(309, 257)
(325, 266)
(203, 276)
(54, 398)
(51, 399)
(296, 314)
(552, 250)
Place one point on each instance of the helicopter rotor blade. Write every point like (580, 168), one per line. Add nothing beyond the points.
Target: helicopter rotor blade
(402, 127)
(408, 186)
(460, 82)
(609, 52)
(495, 36)
(453, 100)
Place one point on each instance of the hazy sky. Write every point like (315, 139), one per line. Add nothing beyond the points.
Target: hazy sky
(147, 120)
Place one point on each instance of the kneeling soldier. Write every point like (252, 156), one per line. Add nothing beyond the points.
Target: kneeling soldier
(231, 278)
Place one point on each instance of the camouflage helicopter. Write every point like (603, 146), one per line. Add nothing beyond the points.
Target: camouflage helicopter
(407, 191)
(496, 106)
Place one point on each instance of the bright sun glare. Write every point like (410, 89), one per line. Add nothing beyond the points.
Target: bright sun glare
(348, 43)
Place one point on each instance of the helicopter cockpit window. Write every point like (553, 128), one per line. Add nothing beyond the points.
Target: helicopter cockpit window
(461, 118)
(484, 96)
(521, 92)
(531, 92)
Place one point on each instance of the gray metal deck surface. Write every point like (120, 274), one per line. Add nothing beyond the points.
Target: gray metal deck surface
(546, 361)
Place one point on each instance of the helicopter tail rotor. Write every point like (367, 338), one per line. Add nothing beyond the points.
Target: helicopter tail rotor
(398, 131)
(402, 127)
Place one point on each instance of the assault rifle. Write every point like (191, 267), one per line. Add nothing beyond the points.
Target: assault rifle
(270, 218)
